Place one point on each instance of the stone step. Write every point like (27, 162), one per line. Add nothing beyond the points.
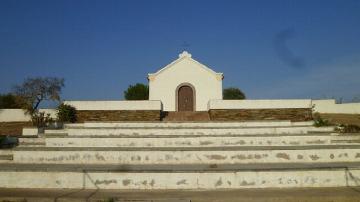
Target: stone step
(187, 124)
(6, 157)
(186, 116)
(56, 135)
(156, 156)
(173, 167)
(193, 141)
(204, 148)
(188, 131)
(32, 142)
(309, 134)
(56, 131)
(340, 177)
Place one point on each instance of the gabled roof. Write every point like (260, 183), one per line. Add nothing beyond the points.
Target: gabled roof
(185, 56)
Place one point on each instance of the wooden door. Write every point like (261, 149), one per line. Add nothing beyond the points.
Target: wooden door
(185, 99)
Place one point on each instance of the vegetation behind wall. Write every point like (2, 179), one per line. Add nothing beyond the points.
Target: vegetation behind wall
(138, 91)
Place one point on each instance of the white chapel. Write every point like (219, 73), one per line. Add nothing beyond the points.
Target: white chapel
(185, 85)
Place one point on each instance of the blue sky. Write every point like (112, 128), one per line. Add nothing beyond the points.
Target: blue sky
(269, 49)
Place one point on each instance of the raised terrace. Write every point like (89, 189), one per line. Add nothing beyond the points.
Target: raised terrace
(185, 141)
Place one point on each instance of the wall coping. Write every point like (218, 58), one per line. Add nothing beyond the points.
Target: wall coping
(330, 107)
(259, 104)
(116, 105)
(19, 115)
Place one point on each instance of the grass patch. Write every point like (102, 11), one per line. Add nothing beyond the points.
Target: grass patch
(319, 122)
(350, 128)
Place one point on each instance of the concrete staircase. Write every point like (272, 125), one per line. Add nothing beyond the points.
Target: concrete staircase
(183, 155)
(186, 116)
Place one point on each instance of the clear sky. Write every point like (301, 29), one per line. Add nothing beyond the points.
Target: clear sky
(269, 48)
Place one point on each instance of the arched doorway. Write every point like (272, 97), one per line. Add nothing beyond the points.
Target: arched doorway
(185, 98)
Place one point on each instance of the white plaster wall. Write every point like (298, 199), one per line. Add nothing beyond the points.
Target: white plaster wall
(13, 115)
(18, 115)
(321, 106)
(259, 104)
(207, 84)
(330, 106)
(116, 105)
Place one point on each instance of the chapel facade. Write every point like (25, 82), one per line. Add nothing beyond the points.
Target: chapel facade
(185, 85)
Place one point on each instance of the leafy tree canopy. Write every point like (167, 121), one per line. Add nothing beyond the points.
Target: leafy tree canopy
(233, 94)
(35, 90)
(9, 101)
(138, 91)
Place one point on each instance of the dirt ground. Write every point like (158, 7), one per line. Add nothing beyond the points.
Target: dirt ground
(345, 194)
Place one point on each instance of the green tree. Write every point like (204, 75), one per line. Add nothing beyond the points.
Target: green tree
(9, 101)
(233, 94)
(138, 91)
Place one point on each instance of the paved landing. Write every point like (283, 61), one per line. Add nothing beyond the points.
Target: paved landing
(347, 194)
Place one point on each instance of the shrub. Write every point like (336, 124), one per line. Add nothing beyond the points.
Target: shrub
(347, 128)
(318, 121)
(40, 120)
(66, 113)
(137, 92)
(233, 94)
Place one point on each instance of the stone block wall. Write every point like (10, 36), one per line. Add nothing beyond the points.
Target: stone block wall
(118, 115)
(13, 128)
(353, 119)
(293, 114)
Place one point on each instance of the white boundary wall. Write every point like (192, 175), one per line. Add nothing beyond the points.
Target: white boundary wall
(116, 105)
(330, 106)
(321, 106)
(13, 115)
(18, 115)
(259, 104)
